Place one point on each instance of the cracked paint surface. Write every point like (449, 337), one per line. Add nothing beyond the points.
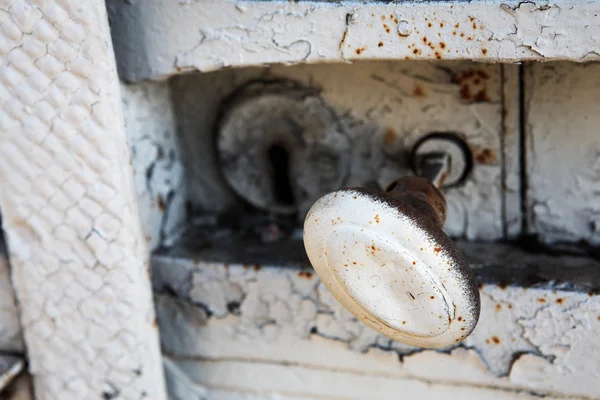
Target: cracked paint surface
(77, 254)
(210, 35)
(528, 340)
(563, 197)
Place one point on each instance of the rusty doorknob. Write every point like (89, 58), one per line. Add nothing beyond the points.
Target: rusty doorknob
(386, 259)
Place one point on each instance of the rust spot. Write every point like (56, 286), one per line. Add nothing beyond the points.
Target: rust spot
(383, 17)
(418, 91)
(495, 339)
(414, 263)
(404, 322)
(162, 205)
(462, 329)
(560, 300)
(510, 306)
(457, 26)
(154, 323)
(353, 262)
(474, 25)
(465, 92)
(245, 266)
(442, 45)
(498, 307)
(485, 156)
(305, 274)
(425, 39)
(502, 286)
(480, 286)
(541, 300)
(389, 138)
(416, 51)
(257, 267)
(454, 33)
(429, 24)
(462, 34)
(487, 341)
(598, 317)
(472, 18)
(484, 51)
(387, 28)
(377, 218)
(437, 249)
(459, 319)
(355, 197)
(438, 55)
(441, 24)
(380, 44)
(469, 38)
(391, 16)
(432, 297)
(335, 195)
(360, 50)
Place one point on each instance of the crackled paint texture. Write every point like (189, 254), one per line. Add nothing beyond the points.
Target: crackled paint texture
(155, 39)
(77, 254)
(257, 322)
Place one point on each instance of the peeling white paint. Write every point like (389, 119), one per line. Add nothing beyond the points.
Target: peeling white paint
(151, 128)
(154, 39)
(77, 254)
(562, 124)
(284, 321)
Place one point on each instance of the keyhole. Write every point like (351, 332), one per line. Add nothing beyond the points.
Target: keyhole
(279, 158)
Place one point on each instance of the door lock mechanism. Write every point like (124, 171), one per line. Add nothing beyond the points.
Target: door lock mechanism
(385, 257)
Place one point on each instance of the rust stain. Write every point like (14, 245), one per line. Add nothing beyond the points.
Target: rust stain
(498, 307)
(432, 297)
(484, 51)
(441, 24)
(154, 323)
(495, 339)
(377, 218)
(429, 24)
(457, 26)
(473, 86)
(360, 50)
(418, 91)
(389, 138)
(560, 300)
(541, 300)
(387, 28)
(437, 249)
(162, 205)
(510, 306)
(380, 44)
(438, 55)
(484, 156)
(257, 267)
(305, 274)
(442, 45)
(459, 319)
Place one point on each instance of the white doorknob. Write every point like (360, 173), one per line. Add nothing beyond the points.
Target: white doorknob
(386, 259)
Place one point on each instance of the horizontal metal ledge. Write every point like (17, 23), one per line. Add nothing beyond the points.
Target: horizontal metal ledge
(155, 39)
(493, 263)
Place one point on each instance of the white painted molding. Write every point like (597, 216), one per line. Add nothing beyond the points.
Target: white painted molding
(79, 263)
(155, 38)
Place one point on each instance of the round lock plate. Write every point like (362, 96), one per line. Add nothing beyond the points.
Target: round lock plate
(281, 147)
(392, 268)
